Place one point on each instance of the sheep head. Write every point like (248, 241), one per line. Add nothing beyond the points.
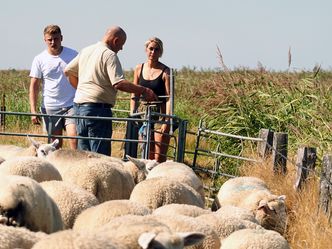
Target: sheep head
(44, 149)
(271, 213)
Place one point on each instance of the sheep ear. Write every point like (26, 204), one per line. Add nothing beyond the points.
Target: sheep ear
(33, 142)
(145, 239)
(282, 198)
(138, 163)
(190, 239)
(262, 204)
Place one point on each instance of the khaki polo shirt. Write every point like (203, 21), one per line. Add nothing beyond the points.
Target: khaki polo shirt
(98, 69)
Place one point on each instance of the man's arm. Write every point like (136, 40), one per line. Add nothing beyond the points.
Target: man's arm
(33, 97)
(126, 86)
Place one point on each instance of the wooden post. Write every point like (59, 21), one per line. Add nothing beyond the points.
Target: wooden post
(279, 152)
(305, 162)
(325, 193)
(264, 148)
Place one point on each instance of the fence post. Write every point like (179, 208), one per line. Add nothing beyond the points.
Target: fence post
(279, 153)
(305, 162)
(264, 148)
(181, 141)
(197, 143)
(325, 193)
(3, 109)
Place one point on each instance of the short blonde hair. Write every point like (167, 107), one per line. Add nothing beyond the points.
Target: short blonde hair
(158, 42)
(52, 30)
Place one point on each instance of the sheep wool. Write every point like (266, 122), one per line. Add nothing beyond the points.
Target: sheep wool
(36, 168)
(180, 209)
(70, 199)
(23, 202)
(18, 237)
(160, 191)
(69, 239)
(180, 172)
(106, 180)
(137, 232)
(255, 238)
(97, 216)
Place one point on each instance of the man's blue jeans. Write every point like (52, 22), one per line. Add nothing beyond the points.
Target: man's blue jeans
(94, 128)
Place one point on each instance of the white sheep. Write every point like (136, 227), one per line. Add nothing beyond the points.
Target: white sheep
(180, 172)
(10, 151)
(23, 202)
(70, 199)
(182, 223)
(137, 232)
(103, 213)
(36, 168)
(159, 191)
(252, 193)
(69, 239)
(106, 180)
(63, 159)
(181, 209)
(18, 237)
(255, 238)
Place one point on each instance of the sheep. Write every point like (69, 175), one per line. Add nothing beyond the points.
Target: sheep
(181, 223)
(69, 239)
(35, 149)
(159, 191)
(23, 202)
(18, 237)
(255, 238)
(145, 232)
(101, 214)
(70, 199)
(106, 180)
(252, 193)
(178, 171)
(181, 209)
(66, 158)
(36, 168)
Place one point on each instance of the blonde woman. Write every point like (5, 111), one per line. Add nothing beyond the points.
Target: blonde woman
(155, 75)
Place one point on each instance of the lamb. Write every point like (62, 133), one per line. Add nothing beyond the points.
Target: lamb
(69, 239)
(138, 232)
(181, 209)
(181, 223)
(255, 238)
(106, 180)
(252, 193)
(159, 191)
(23, 202)
(103, 213)
(178, 171)
(36, 168)
(18, 237)
(70, 199)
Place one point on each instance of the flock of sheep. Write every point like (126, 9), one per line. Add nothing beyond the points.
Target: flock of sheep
(77, 199)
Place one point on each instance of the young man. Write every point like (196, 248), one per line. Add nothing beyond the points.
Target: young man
(57, 93)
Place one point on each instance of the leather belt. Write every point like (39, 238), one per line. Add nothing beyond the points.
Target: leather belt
(91, 104)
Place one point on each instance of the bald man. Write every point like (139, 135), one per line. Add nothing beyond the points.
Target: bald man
(97, 75)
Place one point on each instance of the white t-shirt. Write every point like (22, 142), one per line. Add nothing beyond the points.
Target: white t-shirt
(57, 92)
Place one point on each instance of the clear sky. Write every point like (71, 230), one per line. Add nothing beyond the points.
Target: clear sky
(247, 32)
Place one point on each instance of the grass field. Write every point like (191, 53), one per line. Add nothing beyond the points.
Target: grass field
(239, 102)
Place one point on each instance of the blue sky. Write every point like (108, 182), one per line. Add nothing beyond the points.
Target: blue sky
(247, 32)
